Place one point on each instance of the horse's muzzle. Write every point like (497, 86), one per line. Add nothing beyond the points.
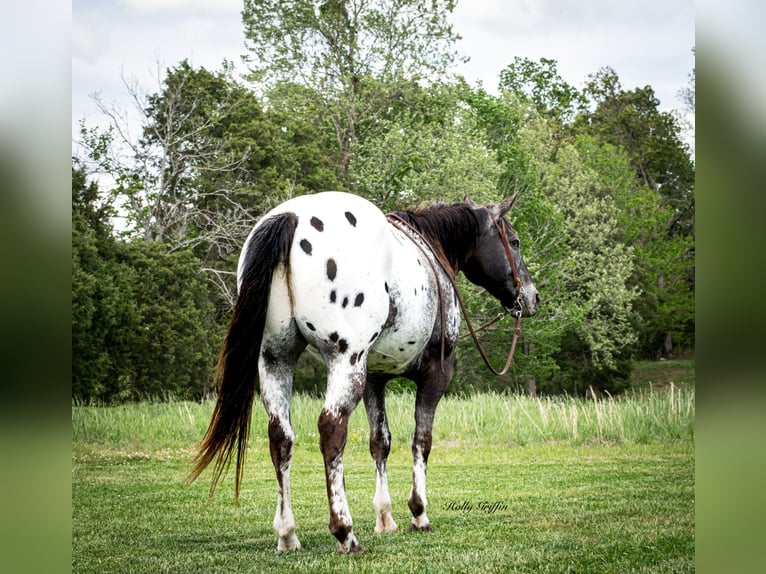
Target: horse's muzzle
(526, 303)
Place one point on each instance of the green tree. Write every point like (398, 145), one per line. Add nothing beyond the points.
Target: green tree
(353, 55)
(651, 139)
(209, 160)
(142, 318)
(426, 147)
(597, 272)
(653, 144)
(539, 84)
(568, 219)
(172, 345)
(101, 305)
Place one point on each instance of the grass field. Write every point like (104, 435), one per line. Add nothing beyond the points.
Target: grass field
(514, 485)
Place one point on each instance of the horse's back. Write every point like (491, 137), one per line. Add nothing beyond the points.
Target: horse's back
(335, 288)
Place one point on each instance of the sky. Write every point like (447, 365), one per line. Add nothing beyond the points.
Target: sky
(647, 42)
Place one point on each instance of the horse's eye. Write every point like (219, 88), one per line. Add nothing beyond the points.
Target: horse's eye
(515, 243)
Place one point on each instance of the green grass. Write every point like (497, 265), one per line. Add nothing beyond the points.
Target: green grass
(659, 374)
(514, 485)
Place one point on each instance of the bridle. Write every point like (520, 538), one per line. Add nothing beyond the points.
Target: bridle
(516, 311)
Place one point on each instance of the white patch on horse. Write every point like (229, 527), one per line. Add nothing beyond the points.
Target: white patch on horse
(412, 289)
(384, 522)
(339, 508)
(284, 521)
(342, 282)
(338, 503)
(344, 387)
(419, 487)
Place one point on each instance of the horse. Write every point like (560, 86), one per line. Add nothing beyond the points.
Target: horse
(374, 296)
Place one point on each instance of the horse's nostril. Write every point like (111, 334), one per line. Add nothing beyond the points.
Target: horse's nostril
(537, 298)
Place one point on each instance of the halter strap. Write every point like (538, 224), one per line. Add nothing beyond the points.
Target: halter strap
(447, 268)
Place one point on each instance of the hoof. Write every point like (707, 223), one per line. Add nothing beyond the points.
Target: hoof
(425, 528)
(386, 525)
(289, 544)
(350, 545)
(353, 548)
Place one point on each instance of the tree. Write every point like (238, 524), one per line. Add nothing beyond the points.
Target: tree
(208, 161)
(427, 147)
(142, 318)
(171, 347)
(687, 94)
(686, 115)
(651, 138)
(568, 219)
(540, 85)
(352, 54)
(156, 173)
(100, 304)
(654, 148)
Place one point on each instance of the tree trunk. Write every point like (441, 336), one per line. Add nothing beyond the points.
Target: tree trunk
(531, 386)
(667, 346)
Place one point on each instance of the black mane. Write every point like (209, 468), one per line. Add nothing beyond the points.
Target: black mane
(450, 227)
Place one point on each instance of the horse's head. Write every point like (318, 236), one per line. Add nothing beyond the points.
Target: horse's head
(496, 262)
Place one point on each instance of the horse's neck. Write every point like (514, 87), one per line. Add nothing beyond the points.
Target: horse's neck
(450, 230)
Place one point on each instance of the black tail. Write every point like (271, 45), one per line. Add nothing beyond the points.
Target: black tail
(237, 371)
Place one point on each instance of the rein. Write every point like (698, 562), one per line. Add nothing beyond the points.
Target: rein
(396, 220)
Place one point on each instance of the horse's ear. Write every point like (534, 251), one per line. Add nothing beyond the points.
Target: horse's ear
(506, 205)
(467, 199)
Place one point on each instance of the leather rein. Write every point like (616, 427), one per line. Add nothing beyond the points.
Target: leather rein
(398, 221)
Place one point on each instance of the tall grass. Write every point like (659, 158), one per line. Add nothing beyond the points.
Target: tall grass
(488, 419)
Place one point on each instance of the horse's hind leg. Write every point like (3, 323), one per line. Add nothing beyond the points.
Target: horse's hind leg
(380, 446)
(276, 367)
(344, 391)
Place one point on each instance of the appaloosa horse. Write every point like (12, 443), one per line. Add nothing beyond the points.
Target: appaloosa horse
(375, 297)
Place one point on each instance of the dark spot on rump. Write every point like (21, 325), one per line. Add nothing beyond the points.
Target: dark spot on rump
(375, 335)
(334, 337)
(332, 269)
(317, 224)
(311, 326)
(386, 286)
(410, 342)
(416, 290)
(342, 346)
(351, 218)
(358, 300)
(306, 246)
(333, 296)
(401, 350)
(353, 359)
(345, 302)
(360, 355)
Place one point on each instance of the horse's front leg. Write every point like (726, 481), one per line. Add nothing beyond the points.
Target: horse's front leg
(380, 446)
(430, 390)
(344, 391)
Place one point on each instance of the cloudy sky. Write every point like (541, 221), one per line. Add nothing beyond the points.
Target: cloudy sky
(647, 42)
